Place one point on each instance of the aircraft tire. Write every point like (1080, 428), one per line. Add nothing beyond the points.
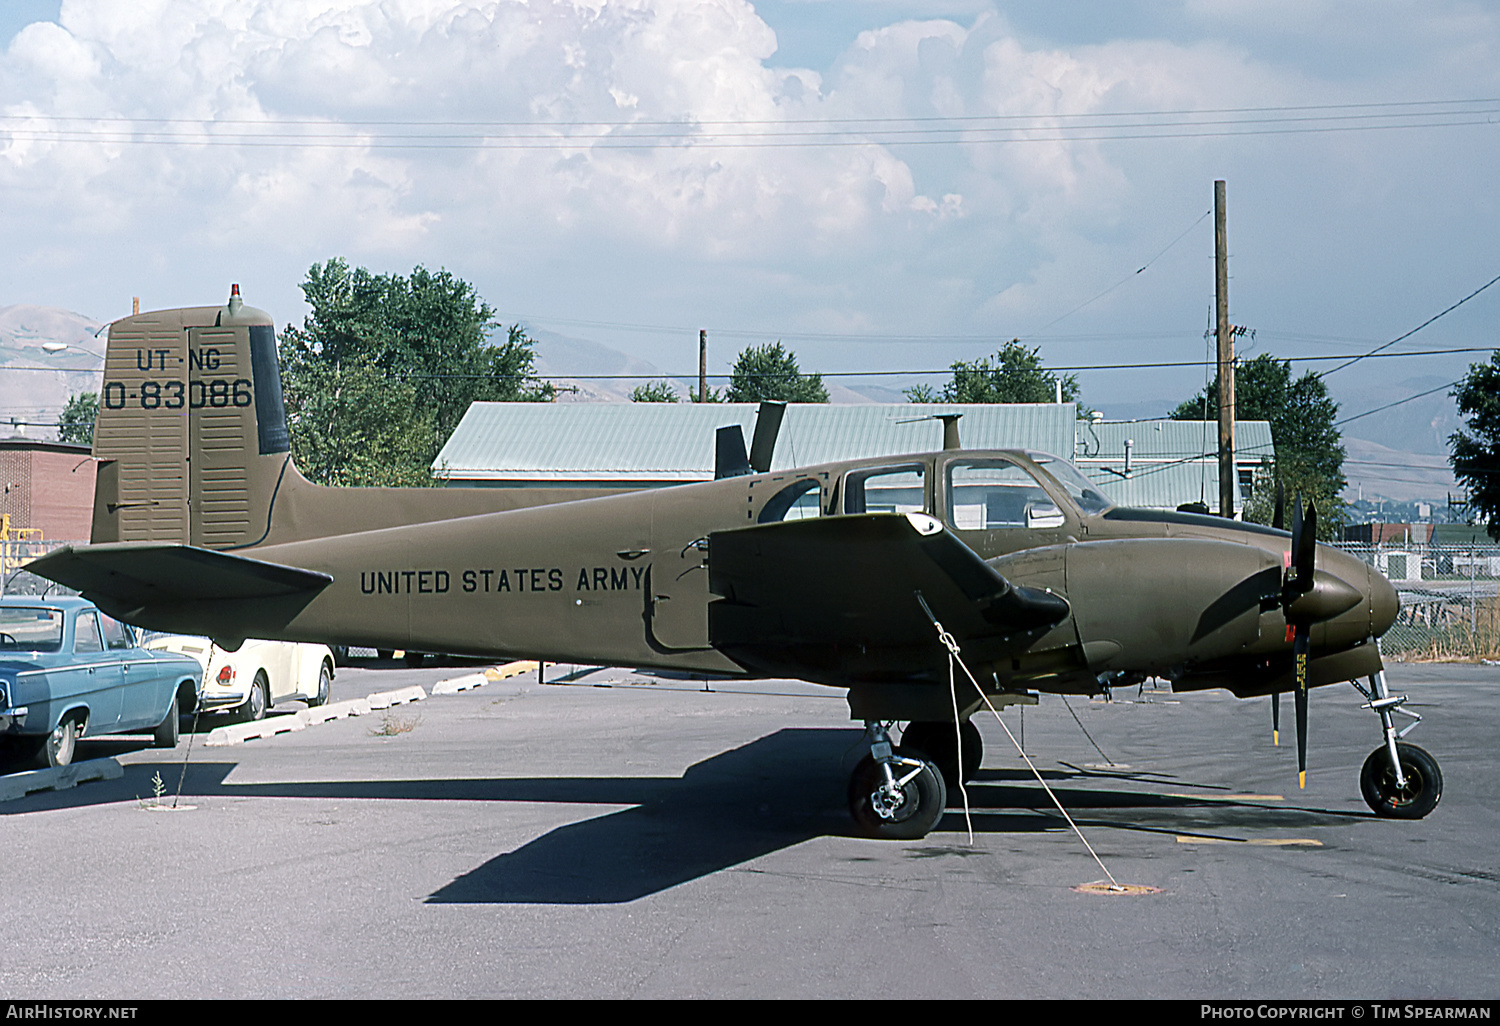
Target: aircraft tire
(1424, 783)
(926, 798)
(934, 742)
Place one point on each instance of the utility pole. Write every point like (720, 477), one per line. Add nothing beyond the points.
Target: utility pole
(703, 365)
(1226, 357)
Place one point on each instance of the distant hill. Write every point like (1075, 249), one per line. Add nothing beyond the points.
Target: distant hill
(32, 399)
(1376, 471)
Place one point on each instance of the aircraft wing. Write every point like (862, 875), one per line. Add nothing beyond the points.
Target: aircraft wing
(129, 575)
(835, 599)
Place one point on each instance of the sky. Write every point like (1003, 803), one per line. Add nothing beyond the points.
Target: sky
(882, 186)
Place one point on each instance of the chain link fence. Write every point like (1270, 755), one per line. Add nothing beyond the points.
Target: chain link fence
(15, 553)
(1449, 603)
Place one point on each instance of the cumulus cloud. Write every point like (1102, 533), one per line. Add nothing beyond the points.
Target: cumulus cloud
(657, 143)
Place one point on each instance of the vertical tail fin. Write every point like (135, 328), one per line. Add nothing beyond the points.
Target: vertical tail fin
(192, 435)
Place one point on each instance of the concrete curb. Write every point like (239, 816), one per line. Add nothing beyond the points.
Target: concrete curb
(386, 699)
(19, 785)
(487, 676)
(338, 711)
(238, 733)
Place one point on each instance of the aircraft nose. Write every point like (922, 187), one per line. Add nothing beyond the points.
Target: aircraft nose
(1384, 603)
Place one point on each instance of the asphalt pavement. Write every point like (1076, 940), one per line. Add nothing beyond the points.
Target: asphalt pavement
(624, 835)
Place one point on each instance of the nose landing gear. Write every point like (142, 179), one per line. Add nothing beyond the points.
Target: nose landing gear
(1398, 781)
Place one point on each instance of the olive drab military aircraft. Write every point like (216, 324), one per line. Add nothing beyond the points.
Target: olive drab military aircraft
(848, 574)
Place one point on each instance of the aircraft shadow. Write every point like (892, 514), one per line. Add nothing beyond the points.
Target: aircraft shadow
(729, 809)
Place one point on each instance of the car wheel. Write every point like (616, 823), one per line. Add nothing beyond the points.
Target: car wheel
(325, 682)
(165, 735)
(57, 748)
(255, 706)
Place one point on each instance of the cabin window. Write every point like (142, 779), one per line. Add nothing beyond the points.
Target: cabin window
(797, 501)
(886, 490)
(985, 495)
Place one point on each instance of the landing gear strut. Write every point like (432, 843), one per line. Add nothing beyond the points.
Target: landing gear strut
(1399, 781)
(893, 794)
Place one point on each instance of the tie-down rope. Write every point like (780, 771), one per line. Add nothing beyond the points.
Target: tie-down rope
(954, 656)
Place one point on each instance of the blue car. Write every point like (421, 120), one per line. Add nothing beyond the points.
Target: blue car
(68, 671)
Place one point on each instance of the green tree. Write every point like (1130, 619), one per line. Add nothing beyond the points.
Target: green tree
(352, 424)
(770, 372)
(1476, 452)
(654, 392)
(1016, 376)
(1309, 457)
(426, 336)
(77, 421)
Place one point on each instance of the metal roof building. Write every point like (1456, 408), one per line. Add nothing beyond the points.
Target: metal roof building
(1169, 462)
(646, 445)
(654, 444)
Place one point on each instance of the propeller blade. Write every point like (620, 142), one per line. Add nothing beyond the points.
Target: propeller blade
(1276, 718)
(1297, 525)
(1306, 551)
(1278, 517)
(1300, 644)
(1303, 558)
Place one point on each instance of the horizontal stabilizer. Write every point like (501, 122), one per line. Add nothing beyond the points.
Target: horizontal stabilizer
(824, 598)
(134, 574)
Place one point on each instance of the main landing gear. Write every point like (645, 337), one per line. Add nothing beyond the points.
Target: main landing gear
(1399, 781)
(895, 794)
(900, 792)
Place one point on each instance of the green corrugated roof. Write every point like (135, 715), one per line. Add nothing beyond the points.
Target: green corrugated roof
(675, 441)
(1170, 440)
(1171, 461)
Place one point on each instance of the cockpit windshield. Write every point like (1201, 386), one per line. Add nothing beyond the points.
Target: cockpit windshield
(1083, 491)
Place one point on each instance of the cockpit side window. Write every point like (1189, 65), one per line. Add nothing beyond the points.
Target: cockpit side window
(995, 494)
(886, 490)
(800, 500)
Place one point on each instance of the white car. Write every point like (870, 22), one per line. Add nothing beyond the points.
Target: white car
(256, 676)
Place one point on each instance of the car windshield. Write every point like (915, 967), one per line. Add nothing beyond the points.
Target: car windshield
(1083, 491)
(30, 629)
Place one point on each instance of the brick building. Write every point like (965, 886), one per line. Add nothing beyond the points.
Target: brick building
(47, 485)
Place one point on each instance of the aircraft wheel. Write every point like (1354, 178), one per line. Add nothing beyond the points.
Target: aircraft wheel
(920, 802)
(934, 741)
(1424, 783)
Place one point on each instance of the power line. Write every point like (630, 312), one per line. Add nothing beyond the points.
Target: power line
(751, 134)
(1280, 108)
(1413, 331)
(1398, 402)
(1122, 281)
